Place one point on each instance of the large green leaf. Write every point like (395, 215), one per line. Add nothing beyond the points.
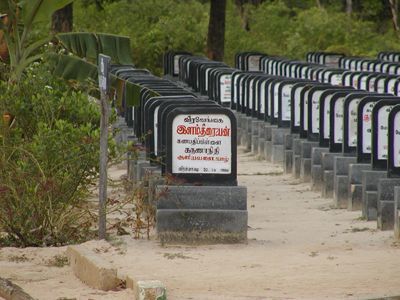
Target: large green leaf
(82, 44)
(132, 94)
(40, 10)
(117, 47)
(90, 45)
(73, 68)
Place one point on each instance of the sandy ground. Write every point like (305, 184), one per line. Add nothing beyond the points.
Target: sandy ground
(299, 247)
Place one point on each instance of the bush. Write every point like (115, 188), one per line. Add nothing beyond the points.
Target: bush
(48, 158)
(154, 27)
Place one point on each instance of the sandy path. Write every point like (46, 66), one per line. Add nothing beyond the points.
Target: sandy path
(298, 248)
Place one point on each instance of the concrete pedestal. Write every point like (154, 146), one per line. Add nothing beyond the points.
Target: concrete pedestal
(246, 133)
(207, 214)
(354, 188)
(397, 212)
(296, 156)
(316, 168)
(305, 160)
(370, 180)
(341, 180)
(328, 174)
(255, 134)
(386, 201)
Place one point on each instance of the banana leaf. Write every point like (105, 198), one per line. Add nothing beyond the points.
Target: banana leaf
(74, 68)
(40, 10)
(90, 45)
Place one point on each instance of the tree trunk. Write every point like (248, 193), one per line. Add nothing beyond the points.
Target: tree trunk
(242, 13)
(216, 30)
(349, 7)
(62, 19)
(318, 3)
(4, 57)
(394, 6)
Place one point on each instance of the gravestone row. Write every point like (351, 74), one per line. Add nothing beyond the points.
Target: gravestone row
(324, 58)
(371, 65)
(389, 56)
(329, 126)
(187, 150)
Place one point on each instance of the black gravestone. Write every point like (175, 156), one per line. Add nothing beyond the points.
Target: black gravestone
(210, 157)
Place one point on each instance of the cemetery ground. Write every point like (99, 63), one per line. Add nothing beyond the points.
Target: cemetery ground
(299, 247)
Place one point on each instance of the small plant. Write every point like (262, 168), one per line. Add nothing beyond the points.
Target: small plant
(58, 261)
(18, 258)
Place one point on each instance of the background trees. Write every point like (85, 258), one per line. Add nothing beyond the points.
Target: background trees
(286, 27)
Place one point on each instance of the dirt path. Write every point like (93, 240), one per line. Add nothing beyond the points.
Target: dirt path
(298, 248)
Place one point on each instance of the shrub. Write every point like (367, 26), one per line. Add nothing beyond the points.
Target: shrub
(48, 158)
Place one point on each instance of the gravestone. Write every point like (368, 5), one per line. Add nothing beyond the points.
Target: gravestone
(204, 203)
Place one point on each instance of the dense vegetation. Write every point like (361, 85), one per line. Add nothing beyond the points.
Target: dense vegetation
(48, 160)
(285, 28)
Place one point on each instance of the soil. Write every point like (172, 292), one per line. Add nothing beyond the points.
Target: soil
(299, 247)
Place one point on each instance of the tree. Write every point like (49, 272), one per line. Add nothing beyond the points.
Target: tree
(394, 7)
(349, 7)
(62, 19)
(17, 30)
(216, 30)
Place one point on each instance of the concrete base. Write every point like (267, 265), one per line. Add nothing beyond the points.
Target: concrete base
(370, 180)
(268, 150)
(370, 206)
(296, 145)
(316, 168)
(296, 166)
(288, 140)
(246, 133)
(201, 226)
(355, 185)
(327, 163)
(305, 161)
(327, 186)
(354, 197)
(277, 154)
(261, 148)
(149, 290)
(254, 144)
(268, 131)
(93, 270)
(133, 163)
(305, 169)
(288, 161)
(206, 214)
(341, 180)
(385, 203)
(340, 191)
(397, 212)
(316, 177)
(239, 136)
(278, 135)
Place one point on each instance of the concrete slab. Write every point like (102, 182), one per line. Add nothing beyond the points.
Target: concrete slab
(202, 197)
(93, 270)
(370, 180)
(385, 202)
(397, 213)
(201, 226)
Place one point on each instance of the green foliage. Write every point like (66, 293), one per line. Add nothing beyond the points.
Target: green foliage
(23, 16)
(153, 26)
(48, 158)
(286, 28)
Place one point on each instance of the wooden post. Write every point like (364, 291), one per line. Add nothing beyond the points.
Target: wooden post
(104, 62)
